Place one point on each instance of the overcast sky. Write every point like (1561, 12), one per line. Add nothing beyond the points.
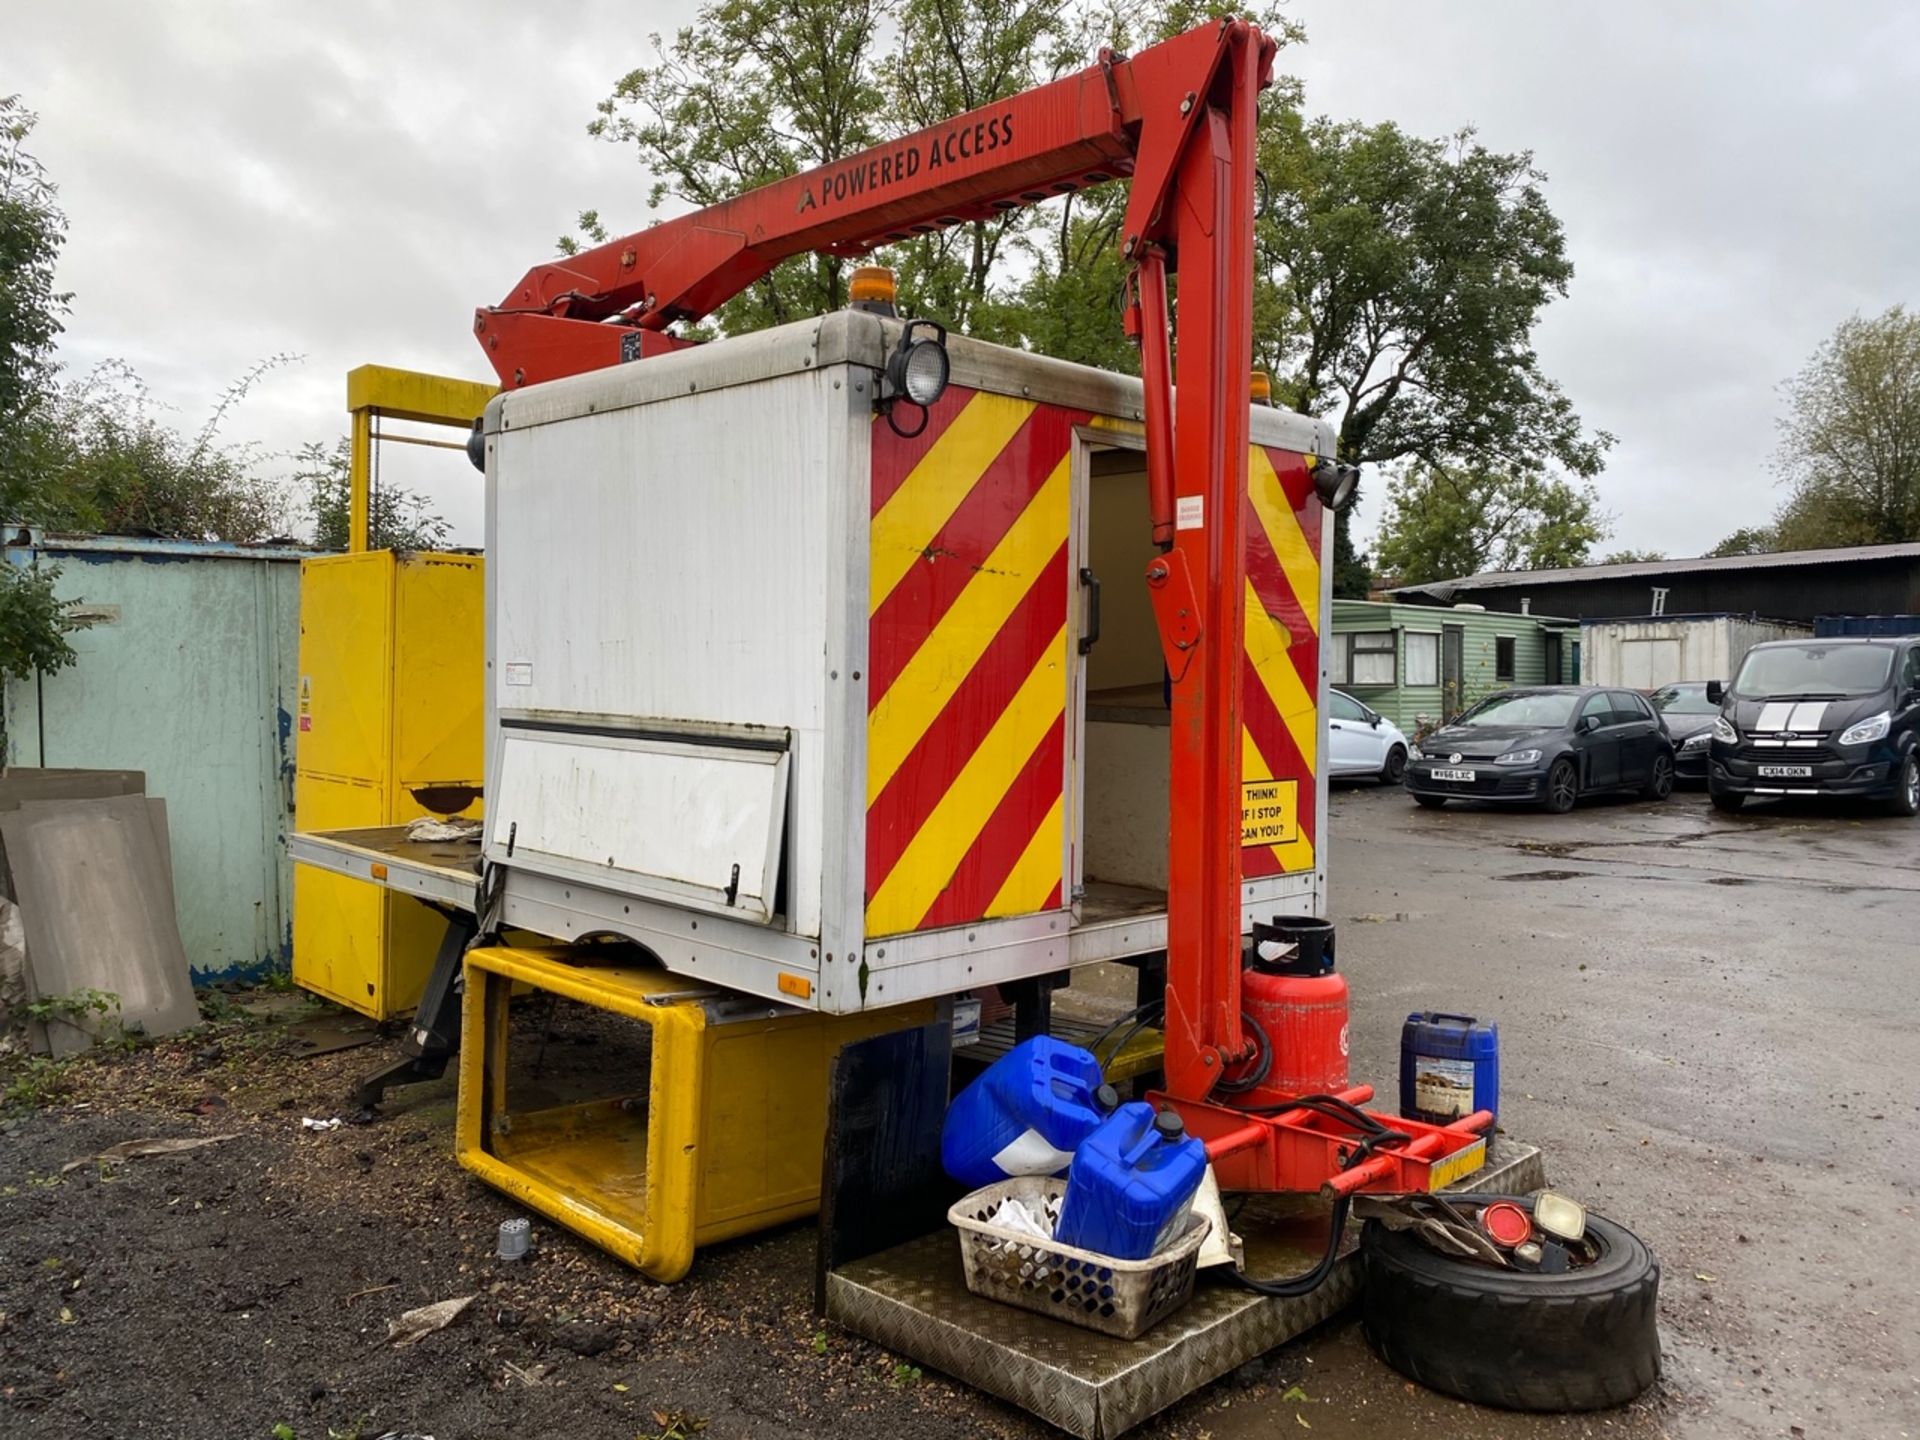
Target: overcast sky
(347, 181)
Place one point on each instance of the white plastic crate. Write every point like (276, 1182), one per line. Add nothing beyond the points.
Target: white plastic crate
(1125, 1298)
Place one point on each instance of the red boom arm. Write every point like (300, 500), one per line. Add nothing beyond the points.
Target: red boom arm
(1178, 118)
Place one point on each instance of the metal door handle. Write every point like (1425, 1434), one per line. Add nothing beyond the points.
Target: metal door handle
(1092, 636)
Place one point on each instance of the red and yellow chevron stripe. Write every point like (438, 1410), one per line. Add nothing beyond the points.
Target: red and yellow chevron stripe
(968, 663)
(1280, 682)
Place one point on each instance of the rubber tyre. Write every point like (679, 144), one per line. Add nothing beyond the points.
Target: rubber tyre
(1725, 801)
(1396, 767)
(1905, 799)
(1561, 798)
(1660, 781)
(1429, 802)
(1585, 1341)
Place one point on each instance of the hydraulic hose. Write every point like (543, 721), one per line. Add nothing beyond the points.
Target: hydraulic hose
(1305, 1284)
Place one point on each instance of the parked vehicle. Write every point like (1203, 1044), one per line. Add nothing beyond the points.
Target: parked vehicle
(1820, 717)
(1547, 746)
(1362, 741)
(1688, 715)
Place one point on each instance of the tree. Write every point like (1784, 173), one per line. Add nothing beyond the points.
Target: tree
(109, 462)
(32, 230)
(397, 518)
(1850, 440)
(1414, 272)
(1399, 279)
(953, 56)
(1443, 521)
(753, 91)
(1748, 540)
(1633, 557)
(1070, 303)
(33, 623)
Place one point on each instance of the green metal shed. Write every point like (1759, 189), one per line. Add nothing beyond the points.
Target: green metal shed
(1416, 663)
(186, 672)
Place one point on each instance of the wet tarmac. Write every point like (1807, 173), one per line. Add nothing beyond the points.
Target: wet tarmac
(1711, 1024)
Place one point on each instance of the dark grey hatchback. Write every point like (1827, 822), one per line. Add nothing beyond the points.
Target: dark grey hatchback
(1545, 746)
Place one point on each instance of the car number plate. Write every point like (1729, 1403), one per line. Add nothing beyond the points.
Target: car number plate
(1465, 777)
(1786, 772)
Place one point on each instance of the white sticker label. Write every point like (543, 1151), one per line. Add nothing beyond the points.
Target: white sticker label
(519, 672)
(1443, 1087)
(1028, 1153)
(1189, 512)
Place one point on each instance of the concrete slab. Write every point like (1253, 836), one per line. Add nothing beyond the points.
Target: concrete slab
(94, 887)
(21, 784)
(913, 1299)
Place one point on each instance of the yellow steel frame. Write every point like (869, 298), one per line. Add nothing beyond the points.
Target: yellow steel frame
(383, 392)
(726, 1138)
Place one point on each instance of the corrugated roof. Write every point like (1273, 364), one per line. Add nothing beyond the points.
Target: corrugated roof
(1502, 579)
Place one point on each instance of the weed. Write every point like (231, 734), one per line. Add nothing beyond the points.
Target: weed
(675, 1425)
(31, 1082)
(819, 1342)
(73, 1007)
(905, 1374)
(279, 980)
(351, 1432)
(217, 1007)
(282, 1431)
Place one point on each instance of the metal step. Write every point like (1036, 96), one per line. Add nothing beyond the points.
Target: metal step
(913, 1300)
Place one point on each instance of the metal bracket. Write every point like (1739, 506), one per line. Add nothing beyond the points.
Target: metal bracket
(1176, 610)
(434, 1035)
(1302, 1150)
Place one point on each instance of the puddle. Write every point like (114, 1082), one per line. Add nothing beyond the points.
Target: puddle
(1546, 875)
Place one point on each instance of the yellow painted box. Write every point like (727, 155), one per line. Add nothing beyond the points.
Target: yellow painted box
(388, 727)
(722, 1135)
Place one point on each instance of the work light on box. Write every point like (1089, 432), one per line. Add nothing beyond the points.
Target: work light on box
(1335, 483)
(916, 372)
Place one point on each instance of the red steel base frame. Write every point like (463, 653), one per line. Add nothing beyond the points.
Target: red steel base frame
(1303, 1150)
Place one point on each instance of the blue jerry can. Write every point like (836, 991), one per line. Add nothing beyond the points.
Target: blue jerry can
(1131, 1184)
(1449, 1067)
(1025, 1115)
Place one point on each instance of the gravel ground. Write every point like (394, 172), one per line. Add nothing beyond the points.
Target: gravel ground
(1708, 1023)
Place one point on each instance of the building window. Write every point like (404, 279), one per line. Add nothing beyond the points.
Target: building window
(1423, 658)
(1371, 661)
(1503, 658)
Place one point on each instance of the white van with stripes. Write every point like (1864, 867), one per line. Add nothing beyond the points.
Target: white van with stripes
(1820, 717)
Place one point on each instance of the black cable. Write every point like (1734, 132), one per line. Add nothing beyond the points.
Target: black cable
(1373, 1136)
(894, 424)
(1296, 1285)
(1262, 1061)
(1132, 1014)
(1136, 1020)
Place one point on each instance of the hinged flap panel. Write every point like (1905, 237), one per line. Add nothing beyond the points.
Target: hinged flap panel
(695, 819)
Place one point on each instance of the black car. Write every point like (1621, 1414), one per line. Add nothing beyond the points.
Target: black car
(1689, 717)
(1546, 746)
(1820, 717)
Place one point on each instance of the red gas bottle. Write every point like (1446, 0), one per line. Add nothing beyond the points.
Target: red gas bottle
(1290, 991)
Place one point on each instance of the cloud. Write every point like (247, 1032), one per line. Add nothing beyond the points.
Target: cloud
(349, 181)
(1726, 173)
(342, 182)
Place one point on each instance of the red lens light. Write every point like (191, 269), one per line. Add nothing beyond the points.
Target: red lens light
(1506, 1223)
